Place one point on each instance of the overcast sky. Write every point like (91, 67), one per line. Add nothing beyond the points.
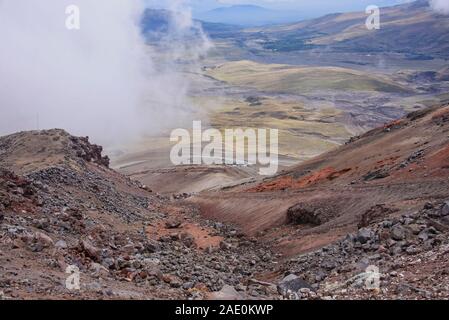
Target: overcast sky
(306, 7)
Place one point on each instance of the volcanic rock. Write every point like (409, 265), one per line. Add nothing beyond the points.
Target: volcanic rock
(292, 284)
(398, 233)
(364, 235)
(91, 251)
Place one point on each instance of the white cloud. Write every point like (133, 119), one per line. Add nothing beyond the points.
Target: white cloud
(102, 81)
(441, 6)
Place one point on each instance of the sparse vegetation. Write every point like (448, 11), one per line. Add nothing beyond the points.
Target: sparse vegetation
(301, 80)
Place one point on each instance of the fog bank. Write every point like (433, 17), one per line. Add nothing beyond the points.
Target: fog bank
(102, 80)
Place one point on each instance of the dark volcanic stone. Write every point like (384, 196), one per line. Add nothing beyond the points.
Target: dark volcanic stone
(364, 235)
(398, 233)
(292, 283)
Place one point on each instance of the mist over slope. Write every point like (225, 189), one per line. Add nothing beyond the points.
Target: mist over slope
(102, 80)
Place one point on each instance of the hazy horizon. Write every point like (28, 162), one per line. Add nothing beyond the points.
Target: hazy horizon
(302, 7)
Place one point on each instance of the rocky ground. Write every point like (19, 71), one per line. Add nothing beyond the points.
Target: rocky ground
(408, 254)
(68, 210)
(64, 212)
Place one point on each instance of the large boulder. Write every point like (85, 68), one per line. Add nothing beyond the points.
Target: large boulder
(301, 214)
(88, 151)
(292, 284)
(398, 233)
(364, 235)
(90, 250)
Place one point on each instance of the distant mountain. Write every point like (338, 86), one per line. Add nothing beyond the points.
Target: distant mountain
(248, 15)
(410, 29)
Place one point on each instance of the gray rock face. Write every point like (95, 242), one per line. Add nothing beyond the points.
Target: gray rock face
(61, 244)
(292, 284)
(364, 235)
(398, 233)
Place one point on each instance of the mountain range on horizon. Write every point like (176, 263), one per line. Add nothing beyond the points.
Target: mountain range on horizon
(249, 15)
(422, 37)
(255, 14)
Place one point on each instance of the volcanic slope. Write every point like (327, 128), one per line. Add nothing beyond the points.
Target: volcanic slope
(378, 205)
(399, 166)
(63, 210)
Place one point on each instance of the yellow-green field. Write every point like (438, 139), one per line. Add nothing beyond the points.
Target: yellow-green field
(300, 80)
(303, 132)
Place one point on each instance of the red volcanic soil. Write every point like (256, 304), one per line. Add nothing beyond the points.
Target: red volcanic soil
(289, 182)
(202, 237)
